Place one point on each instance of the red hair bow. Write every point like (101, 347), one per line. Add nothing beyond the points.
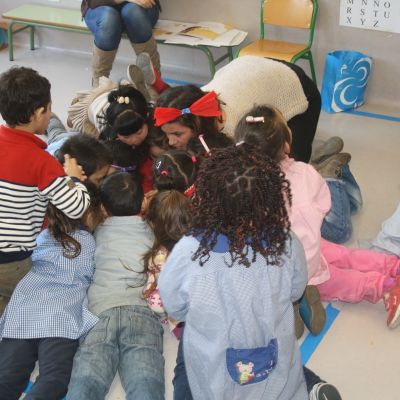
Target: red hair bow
(206, 106)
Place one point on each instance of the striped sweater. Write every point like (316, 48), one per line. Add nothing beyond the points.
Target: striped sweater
(29, 179)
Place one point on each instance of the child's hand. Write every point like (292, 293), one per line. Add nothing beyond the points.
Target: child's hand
(73, 169)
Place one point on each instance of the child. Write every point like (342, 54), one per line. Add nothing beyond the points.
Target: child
(232, 281)
(47, 313)
(128, 336)
(340, 274)
(92, 154)
(30, 177)
(175, 170)
(185, 112)
(124, 158)
(87, 114)
(169, 216)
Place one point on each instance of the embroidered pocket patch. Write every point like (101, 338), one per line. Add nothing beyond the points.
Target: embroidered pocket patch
(247, 366)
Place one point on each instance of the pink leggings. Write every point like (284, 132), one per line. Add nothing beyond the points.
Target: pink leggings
(356, 274)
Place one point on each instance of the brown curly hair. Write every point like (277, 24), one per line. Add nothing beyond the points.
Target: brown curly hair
(243, 196)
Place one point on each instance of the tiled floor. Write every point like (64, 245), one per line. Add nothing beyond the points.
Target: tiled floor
(358, 354)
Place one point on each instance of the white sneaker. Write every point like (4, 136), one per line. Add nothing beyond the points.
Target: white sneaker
(143, 61)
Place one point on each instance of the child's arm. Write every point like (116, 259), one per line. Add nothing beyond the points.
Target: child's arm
(173, 282)
(67, 194)
(300, 273)
(321, 197)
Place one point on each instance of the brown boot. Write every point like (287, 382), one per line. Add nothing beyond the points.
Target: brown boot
(102, 62)
(149, 47)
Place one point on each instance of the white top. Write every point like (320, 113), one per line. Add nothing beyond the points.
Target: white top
(248, 81)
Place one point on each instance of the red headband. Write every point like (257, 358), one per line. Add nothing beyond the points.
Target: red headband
(206, 106)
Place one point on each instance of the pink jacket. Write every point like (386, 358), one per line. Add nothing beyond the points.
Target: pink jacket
(311, 200)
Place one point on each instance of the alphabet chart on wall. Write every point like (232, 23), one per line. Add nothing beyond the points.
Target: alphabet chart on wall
(381, 15)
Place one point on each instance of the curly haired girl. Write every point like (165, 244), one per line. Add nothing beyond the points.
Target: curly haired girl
(233, 278)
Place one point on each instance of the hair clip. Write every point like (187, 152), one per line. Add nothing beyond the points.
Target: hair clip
(251, 119)
(189, 192)
(124, 169)
(122, 99)
(164, 172)
(239, 143)
(194, 159)
(203, 142)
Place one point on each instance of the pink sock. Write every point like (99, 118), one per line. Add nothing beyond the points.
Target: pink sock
(388, 283)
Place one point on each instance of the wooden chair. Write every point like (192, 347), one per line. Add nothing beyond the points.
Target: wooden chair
(291, 14)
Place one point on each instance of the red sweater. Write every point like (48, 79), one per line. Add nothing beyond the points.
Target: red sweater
(29, 179)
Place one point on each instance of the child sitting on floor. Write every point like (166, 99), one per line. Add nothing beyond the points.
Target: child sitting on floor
(339, 273)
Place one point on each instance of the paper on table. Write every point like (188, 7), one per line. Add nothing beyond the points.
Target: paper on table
(202, 33)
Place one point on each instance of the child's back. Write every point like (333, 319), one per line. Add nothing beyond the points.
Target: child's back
(121, 242)
(242, 309)
(119, 279)
(233, 279)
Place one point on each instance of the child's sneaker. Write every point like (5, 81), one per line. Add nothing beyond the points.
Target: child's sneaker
(143, 61)
(392, 304)
(135, 76)
(312, 311)
(324, 391)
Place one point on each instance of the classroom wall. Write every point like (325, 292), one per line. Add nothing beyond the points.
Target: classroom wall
(383, 88)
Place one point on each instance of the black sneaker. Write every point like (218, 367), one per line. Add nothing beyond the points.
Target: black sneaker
(324, 391)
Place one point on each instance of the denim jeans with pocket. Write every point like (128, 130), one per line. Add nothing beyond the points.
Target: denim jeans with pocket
(346, 201)
(107, 23)
(127, 339)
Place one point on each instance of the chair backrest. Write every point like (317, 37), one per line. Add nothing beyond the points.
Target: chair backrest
(289, 13)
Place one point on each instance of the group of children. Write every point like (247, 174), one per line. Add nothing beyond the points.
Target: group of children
(163, 216)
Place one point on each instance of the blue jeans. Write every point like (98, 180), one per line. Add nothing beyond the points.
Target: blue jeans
(128, 339)
(57, 134)
(107, 23)
(346, 200)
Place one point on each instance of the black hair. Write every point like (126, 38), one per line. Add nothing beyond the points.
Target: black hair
(126, 117)
(89, 152)
(242, 196)
(175, 170)
(124, 157)
(22, 92)
(181, 97)
(121, 195)
(213, 141)
(268, 136)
